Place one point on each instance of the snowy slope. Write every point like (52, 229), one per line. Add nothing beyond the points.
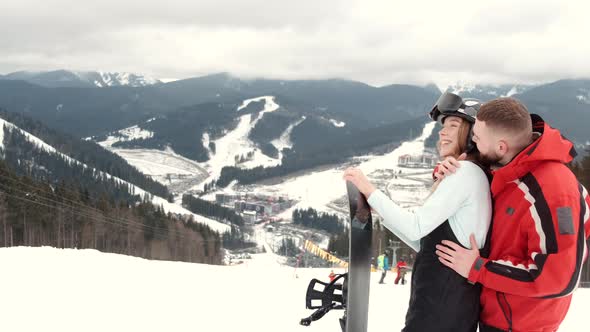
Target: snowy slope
(181, 174)
(236, 142)
(284, 141)
(2, 124)
(36, 141)
(63, 290)
(319, 189)
(156, 200)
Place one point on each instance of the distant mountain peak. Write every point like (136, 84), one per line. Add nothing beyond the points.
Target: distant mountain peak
(117, 79)
(487, 91)
(81, 79)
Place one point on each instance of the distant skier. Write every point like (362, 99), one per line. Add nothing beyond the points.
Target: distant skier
(402, 268)
(383, 264)
(332, 275)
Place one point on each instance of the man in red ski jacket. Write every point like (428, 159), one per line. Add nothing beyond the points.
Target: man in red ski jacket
(540, 224)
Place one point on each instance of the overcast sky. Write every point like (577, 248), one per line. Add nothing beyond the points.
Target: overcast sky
(377, 42)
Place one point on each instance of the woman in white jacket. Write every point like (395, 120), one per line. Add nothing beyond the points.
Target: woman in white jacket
(458, 207)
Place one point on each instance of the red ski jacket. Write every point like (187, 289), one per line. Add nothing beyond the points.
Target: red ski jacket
(538, 238)
(401, 265)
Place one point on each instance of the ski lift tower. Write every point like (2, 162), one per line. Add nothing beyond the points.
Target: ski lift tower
(394, 245)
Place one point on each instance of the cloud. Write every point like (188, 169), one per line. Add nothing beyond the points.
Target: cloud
(378, 42)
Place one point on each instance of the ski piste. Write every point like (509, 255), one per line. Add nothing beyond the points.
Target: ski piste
(352, 294)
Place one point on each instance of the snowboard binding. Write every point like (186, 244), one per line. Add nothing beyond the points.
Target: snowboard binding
(328, 297)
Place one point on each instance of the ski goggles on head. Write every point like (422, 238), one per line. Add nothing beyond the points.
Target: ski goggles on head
(449, 103)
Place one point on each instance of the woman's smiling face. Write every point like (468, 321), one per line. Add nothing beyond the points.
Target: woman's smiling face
(448, 137)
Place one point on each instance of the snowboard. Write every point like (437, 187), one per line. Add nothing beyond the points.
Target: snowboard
(356, 290)
(352, 294)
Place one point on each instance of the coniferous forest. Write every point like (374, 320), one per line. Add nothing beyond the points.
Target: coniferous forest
(212, 210)
(66, 215)
(318, 220)
(17, 148)
(234, 239)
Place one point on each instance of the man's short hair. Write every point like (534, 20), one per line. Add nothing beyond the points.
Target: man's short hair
(507, 114)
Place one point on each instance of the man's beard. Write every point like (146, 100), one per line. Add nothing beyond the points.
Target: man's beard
(493, 161)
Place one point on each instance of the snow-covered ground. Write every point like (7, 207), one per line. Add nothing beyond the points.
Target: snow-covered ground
(178, 173)
(160, 163)
(62, 290)
(173, 170)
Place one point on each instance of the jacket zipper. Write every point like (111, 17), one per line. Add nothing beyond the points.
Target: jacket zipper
(507, 312)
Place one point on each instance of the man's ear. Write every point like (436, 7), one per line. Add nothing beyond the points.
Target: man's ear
(502, 147)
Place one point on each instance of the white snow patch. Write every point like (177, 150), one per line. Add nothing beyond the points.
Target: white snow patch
(461, 87)
(338, 124)
(2, 124)
(123, 78)
(130, 133)
(105, 78)
(247, 102)
(148, 80)
(205, 140)
(285, 140)
(513, 91)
